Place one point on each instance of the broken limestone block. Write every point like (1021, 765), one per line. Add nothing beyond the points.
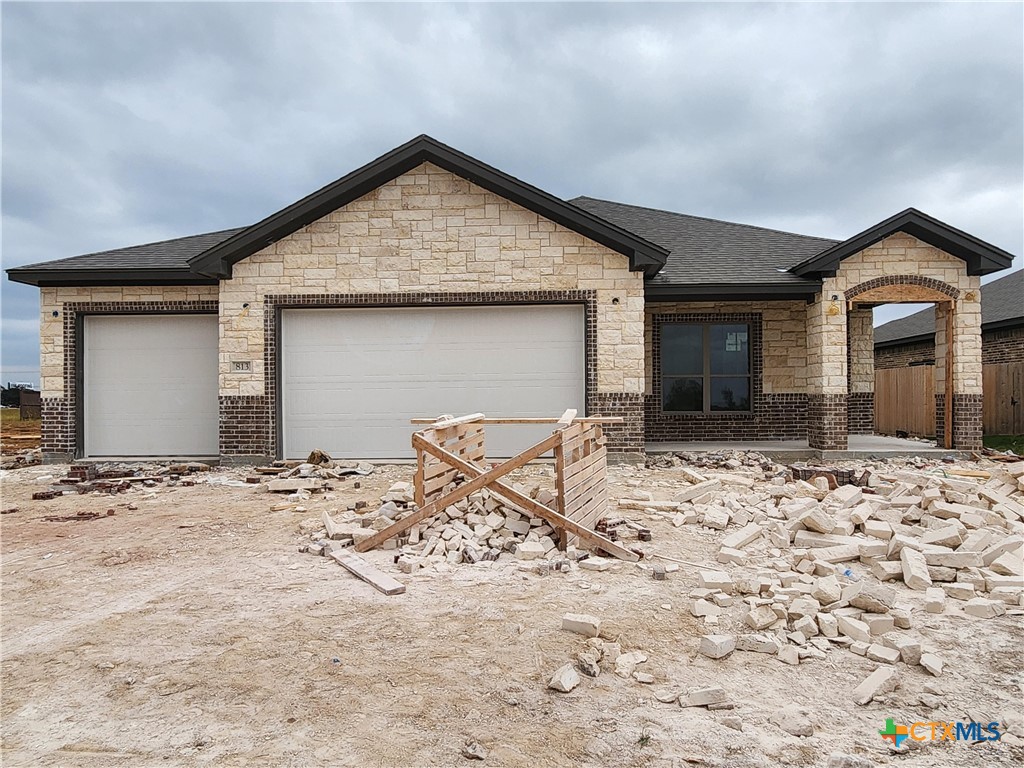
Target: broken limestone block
(804, 606)
(742, 537)
(881, 653)
(915, 569)
(878, 529)
(760, 617)
(878, 624)
(947, 536)
(984, 608)
(818, 520)
(827, 590)
(643, 677)
(953, 559)
(882, 680)
(703, 608)
(564, 679)
(1009, 544)
(873, 598)
(788, 654)
(716, 580)
(717, 646)
(625, 664)
(959, 590)
(716, 518)
(1008, 564)
(596, 564)
(841, 553)
(794, 721)
(688, 494)
(909, 649)
(932, 663)
(827, 624)
(887, 570)
(934, 600)
(587, 662)
(845, 496)
(854, 628)
(859, 647)
(702, 697)
(529, 550)
(900, 617)
(729, 555)
(581, 624)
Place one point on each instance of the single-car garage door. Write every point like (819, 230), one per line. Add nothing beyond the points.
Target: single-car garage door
(352, 378)
(150, 385)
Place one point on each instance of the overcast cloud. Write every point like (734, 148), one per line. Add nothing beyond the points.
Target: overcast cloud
(131, 123)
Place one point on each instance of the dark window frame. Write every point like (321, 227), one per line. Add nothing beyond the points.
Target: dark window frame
(707, 376)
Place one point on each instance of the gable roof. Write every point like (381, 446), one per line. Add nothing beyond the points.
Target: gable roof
(1002, 306)
(218, 260)
(982, 258)
(709, 256)
(164, 262)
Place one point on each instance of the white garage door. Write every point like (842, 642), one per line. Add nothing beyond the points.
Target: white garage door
(150, 385)
(352, 378)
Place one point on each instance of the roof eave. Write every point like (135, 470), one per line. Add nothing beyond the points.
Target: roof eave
(217, 261)
(982, 258)
(732, 292)
(52, 278)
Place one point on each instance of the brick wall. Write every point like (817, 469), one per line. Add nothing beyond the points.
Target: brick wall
(905, 355)
(1003, 346)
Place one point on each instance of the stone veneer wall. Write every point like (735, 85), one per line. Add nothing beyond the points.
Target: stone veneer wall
(778, 344)
(429, 234)
(59, 343)
(898, 259)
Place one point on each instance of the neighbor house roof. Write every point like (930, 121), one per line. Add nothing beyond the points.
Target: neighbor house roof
(1002, 306)
(712, 256)
(165, 262)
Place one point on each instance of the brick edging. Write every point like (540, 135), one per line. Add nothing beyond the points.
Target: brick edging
(880, 282)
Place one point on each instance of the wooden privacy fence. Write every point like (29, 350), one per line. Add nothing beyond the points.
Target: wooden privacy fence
(905, 399)
(450, 449)
(1002, 410)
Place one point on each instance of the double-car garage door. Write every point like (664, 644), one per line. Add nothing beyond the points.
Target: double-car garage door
(349, 379)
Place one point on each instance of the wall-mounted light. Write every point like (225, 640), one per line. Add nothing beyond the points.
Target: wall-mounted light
(615, 300)
(970, 296)
(833, 307)
(55, 313)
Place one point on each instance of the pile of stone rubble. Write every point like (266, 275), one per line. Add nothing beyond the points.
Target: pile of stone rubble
(805, 568)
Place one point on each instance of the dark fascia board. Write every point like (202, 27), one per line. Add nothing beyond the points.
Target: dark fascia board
(52, 278)
(217, 261)
(731, 292)
(999, 325)
(982, 258)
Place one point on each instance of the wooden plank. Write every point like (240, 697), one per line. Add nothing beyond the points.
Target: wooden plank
(594, 509)
(947, 424)
(417, 480)
(536, 420)
(361, 569)
(454, 421)
(538, 510)
(479, 480)
(587, 490)
(584, 465)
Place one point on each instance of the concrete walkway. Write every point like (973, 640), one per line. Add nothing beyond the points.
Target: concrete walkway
(858, 447)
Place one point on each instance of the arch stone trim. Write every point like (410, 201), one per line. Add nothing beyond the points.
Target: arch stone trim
(890, 280)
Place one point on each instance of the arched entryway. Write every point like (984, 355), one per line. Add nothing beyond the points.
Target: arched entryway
(900, 289)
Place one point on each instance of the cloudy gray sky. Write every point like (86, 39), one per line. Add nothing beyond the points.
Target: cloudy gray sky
(128, 123)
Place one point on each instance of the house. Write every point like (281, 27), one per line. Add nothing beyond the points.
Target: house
(904, 345)
(428, 282)
(911, 340)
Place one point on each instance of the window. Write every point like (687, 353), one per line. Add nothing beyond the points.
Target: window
(705, 367)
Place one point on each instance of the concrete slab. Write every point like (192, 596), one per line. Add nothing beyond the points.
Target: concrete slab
(858, 447)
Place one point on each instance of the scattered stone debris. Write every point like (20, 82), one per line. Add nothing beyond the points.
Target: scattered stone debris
(474, 751)
(26, 458)
(565, 679)
(78, 517)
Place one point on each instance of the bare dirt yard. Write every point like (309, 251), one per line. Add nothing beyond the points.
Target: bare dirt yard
(190, 630)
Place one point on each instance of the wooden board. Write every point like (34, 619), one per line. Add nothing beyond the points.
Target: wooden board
(367, 572)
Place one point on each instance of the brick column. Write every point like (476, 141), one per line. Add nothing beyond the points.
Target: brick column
(827, 371)
(861, 405)
(967, 386)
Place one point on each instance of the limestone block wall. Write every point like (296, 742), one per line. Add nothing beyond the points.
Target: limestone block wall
(431, 235)
(58, 340)
(779, 345)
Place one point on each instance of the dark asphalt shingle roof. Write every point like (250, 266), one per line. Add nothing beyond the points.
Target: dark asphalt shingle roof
(712, 251)
(1001, 300)
(166, 254)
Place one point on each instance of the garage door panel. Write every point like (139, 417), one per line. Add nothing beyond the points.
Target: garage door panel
(150, 385)
(352, 378)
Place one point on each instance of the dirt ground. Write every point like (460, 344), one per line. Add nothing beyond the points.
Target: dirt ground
(191, 631)
(17, 435)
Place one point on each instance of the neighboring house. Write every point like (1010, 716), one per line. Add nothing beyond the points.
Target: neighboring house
(911, 340)
(427, 282)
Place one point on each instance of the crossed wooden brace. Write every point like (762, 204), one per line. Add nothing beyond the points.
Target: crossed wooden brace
(489, 479)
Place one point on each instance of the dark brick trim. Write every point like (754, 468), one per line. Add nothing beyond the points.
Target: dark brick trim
(62, 417)
(880, 282)
(626, 439)
(967, 422)
(861, 413)
(826, 422)
(246, 426)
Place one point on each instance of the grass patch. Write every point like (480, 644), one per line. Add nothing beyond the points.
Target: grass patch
(1013, 443)
(9, 414)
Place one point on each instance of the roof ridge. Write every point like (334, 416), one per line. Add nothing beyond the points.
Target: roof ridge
(705, 218)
